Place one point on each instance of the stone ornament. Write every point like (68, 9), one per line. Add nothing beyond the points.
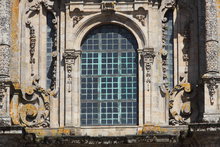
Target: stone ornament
(77, 15)
(32, 45)
(140, 15)
(33, 107)
(108, 6)
(179, 103)
(212, 87)
(70, 56)
(148, 59)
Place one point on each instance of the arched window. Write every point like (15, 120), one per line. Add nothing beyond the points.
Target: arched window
(109, 77)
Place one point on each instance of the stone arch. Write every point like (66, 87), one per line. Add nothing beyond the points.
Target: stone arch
(105, 18)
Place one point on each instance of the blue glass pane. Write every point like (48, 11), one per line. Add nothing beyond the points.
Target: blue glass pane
(109, 77)
(50, 48)
(169, 48)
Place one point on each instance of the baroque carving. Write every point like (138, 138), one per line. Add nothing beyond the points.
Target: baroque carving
(77, 16)
(32, 45)
(179, 102)
(140, 15)
(35, 5)
(148, 59)
(70, 57)
(164, 52)
(33, 106)
(212, 87)
(108, 6)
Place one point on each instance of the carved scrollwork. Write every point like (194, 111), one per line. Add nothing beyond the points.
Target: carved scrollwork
(148, 59)
(34, 106)
(179, 103)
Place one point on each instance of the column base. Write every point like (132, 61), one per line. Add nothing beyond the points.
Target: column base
(5, 121)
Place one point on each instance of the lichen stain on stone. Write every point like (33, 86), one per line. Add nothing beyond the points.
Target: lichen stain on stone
(14, 25)
(49, 132)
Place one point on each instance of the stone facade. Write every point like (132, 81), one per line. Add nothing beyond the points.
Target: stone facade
(177, 68)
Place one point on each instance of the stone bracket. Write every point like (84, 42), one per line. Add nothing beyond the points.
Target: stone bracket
(69, 57)
(148, 59)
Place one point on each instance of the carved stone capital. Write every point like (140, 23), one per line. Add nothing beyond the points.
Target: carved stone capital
(70, 56)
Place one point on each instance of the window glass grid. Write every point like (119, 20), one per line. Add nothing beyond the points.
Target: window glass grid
(109, 77)
(169, 48)
(50, 48)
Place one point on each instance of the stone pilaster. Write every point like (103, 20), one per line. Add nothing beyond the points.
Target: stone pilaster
(212, 77)
(5, 20)
(5, 15)
(147, 60)
(70, 57)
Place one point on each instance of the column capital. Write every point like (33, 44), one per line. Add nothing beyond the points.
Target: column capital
(70, 55)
